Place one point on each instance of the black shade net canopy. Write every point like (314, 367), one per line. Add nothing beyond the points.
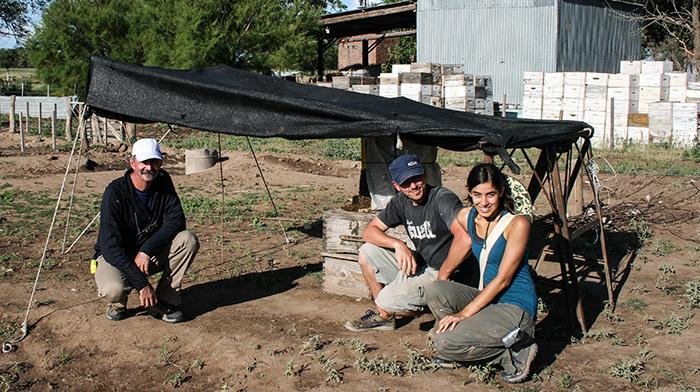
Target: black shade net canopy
(233, 101)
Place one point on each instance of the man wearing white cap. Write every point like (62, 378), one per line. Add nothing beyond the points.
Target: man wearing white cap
(142, 231)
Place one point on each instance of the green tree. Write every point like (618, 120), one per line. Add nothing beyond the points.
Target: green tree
(259, 35)
(14, 18)
(672, 30)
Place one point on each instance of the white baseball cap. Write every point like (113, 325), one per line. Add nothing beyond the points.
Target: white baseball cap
(145, 149)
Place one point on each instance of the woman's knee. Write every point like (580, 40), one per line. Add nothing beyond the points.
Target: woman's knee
(434, 290)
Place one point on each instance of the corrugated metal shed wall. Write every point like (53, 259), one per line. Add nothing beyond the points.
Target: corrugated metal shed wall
(504, 38)
(501, 38)
(595, 38)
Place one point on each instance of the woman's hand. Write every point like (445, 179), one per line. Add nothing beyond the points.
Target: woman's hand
(449, 322)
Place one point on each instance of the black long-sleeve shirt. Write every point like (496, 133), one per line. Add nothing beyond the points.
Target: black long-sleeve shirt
(127, 226)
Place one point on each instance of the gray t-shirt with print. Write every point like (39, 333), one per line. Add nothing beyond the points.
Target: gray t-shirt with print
(428, 224)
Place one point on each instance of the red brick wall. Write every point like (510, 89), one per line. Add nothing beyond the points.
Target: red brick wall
(350, 52)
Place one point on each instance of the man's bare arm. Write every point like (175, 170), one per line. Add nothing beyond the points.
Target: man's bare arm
(375, 233)
(460, 248)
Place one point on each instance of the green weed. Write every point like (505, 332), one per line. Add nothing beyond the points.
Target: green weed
(64, 357)
(609, 313)
(665, 281)
(635, 304)
(631, 369)
(675, 325)
(663, 248)
(692, 293)
(605, 334)
(418, 362)
(317, 278)
(564, 381)
(379, 365)
(641, 228)
(333, 374)
(176, 379)
(483, 374)
(8, 328)
(10, 374)
(313, 343)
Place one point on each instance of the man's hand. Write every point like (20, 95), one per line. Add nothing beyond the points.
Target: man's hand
(405, 258)
(142, 260)
(449, 322)
(148, 296)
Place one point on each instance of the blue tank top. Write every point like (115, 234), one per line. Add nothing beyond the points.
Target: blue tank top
(521, 291)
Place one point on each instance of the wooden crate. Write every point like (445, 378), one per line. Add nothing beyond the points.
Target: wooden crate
(342, 275)
(342, 231)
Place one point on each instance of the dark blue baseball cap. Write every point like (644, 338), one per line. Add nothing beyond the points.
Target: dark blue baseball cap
(405, 167)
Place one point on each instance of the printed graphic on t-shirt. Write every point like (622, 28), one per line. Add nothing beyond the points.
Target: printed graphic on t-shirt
(419, 232)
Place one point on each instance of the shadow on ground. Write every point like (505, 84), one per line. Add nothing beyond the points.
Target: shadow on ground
(205, 297)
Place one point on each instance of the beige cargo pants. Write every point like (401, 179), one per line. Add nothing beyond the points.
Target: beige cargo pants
(173, 262)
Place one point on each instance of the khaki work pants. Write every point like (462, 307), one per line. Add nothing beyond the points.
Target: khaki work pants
(113, 286)
(479, 337)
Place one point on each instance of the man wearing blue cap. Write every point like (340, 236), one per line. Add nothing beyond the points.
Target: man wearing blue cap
(395, 274)
(142, 231)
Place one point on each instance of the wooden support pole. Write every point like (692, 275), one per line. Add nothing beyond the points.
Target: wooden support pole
(69, 117)
(565, 241)
(12, 114)
(53, 127)
(38, 120)
(20, 121)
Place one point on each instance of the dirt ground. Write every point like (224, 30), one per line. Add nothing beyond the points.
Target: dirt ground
(259, 319)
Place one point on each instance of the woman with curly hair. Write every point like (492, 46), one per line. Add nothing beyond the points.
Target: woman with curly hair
(495, 322)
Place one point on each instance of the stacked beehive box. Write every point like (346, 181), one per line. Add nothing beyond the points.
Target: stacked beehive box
(595, 103)
(653, 87)
(660, 121)
(685, 123)
(467, 93)
(342, 232)
(693, 92)
(533, 83)
(552, 96)
(440, 85)
(634, 93)
(389, 85)
(678, 86)
(574, 95)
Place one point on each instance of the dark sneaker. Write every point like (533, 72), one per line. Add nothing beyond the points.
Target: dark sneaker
(371, 321)
(168, 313)
(115, 313)
(444, 363)
(521, 361)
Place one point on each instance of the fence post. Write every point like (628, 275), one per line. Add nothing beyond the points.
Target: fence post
(53, 127)
(23, 89)
(21, 135)
(611, 142)
(81, 124)
(106, 134)
(12, 114)
(95, 127)
(69, 116)
(130, 131)
(38, 119)
(26, 118)
(48, 90)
